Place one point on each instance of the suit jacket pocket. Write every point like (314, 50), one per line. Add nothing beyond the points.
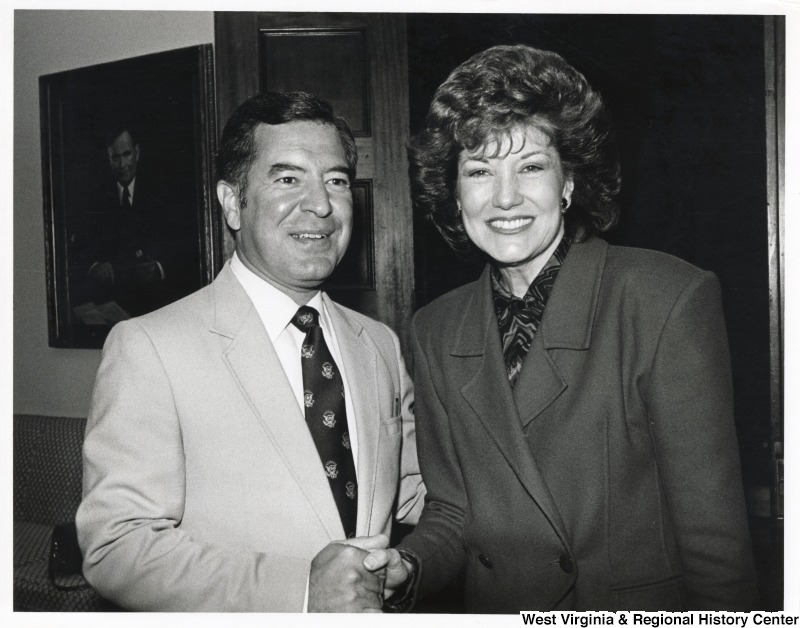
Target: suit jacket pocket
(392, 425)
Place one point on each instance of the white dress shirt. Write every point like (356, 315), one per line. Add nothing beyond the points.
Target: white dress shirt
(121, 190)
(276, 311)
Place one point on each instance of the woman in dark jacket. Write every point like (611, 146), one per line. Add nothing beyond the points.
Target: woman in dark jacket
(574, 405)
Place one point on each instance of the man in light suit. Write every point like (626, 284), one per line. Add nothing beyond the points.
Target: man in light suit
(204, 487)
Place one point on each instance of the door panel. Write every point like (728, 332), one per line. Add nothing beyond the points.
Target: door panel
(341, 57)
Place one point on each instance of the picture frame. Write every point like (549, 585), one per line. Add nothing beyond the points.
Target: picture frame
(130, 214)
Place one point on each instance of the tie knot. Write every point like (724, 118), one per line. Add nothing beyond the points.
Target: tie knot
(306, 318)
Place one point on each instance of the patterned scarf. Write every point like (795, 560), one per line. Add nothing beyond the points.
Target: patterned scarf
(518, 319)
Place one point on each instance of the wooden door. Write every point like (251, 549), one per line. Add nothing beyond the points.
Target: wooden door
(358, 62)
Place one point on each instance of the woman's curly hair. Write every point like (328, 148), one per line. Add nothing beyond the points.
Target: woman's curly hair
(488, 96)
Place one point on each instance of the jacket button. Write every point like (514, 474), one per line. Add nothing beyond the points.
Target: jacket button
(567, 566)
(485, 561)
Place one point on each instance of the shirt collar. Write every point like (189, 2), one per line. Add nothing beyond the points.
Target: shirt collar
(130, 187)
(275, 308)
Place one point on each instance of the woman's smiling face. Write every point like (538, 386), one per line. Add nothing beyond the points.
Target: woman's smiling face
(510, 193)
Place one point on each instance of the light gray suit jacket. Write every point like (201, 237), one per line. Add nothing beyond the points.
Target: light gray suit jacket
(203, 489)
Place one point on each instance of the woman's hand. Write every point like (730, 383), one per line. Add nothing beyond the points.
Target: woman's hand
(398, 571)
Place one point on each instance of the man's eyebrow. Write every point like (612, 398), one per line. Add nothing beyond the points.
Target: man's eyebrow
(341, 169)
(276, 168)
(282, 167)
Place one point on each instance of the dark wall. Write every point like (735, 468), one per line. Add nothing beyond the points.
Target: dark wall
(687, 97)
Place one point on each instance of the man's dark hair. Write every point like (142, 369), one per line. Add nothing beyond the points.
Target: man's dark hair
(237, 150)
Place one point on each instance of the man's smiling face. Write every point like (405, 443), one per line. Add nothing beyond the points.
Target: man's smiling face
(296, 223)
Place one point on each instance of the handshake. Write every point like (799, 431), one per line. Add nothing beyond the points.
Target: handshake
(355, 576)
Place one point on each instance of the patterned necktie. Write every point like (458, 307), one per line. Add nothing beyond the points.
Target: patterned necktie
(323, 396)
(126, 198)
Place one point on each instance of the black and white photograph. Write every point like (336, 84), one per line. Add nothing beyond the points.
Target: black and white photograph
(461, 313)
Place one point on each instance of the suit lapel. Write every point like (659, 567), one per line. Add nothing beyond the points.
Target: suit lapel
(489, 394)
(255, 365)
(569, 315)
(567, 324)
(360, 365)
(539, 383)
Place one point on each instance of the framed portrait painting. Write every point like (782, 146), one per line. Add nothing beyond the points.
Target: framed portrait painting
(131, 220)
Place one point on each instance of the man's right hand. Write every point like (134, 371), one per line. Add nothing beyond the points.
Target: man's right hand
(340, 583)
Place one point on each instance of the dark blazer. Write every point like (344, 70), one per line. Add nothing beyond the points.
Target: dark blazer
(608, 478)
(157, 230)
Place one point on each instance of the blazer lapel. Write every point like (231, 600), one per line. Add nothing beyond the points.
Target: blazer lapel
(569, 315)
(256, 367)
(489, 394)
(567, 324)
(538, 384)
(360, 364)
